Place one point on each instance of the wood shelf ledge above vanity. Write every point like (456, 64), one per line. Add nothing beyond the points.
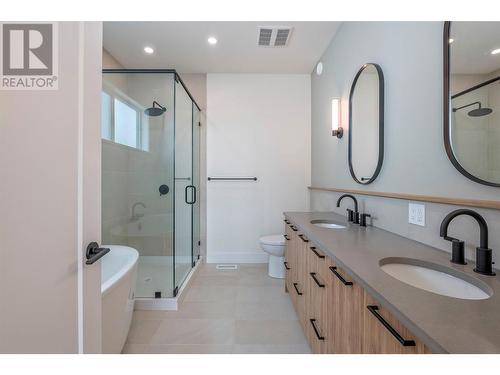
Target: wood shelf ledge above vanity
(495, 205)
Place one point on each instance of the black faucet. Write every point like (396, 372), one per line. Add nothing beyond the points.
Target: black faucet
(483, 253)
(352, 216)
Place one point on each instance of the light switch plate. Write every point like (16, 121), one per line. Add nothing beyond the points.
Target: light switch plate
(416, 214)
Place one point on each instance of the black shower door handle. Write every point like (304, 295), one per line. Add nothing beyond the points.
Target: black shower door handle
(193, 194)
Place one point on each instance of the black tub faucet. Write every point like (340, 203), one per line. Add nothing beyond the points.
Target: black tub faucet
(483, 253)
(352, 216)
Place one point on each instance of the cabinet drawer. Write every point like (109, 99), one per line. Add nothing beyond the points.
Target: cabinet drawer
(383, 333)
(317, 314)
(317, 260)
(345, 312)
(316, 335)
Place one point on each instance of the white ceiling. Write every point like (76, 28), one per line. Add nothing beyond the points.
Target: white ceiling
(472, 46)
(183, 46)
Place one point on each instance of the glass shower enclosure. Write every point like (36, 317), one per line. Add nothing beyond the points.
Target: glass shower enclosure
(150, 127)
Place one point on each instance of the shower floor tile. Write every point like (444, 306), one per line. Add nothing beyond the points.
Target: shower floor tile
(224, 311)
(155, 274)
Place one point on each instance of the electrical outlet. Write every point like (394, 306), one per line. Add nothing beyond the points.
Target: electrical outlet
(416, 214)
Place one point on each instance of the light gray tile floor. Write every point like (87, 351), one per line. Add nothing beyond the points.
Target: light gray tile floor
(224, 311)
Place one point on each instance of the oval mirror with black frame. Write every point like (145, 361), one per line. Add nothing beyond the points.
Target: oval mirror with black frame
(472, 99)
(366, 124)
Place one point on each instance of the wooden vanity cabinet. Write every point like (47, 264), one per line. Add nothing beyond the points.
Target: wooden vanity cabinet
(336, 314)
(384, 334)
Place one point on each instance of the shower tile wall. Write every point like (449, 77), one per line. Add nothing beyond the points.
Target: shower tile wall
(130, 175)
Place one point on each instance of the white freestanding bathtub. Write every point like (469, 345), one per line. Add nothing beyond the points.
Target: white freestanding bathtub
(118, 277)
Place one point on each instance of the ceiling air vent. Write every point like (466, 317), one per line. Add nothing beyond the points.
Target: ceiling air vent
(275, 36)
(265, 35)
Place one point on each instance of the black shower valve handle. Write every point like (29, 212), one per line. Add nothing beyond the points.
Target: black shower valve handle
(163, 189)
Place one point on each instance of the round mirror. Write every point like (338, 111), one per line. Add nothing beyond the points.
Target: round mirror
(366, 124)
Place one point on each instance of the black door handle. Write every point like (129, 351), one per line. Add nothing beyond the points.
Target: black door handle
(374, 310)
(94, 252)
(193, 194)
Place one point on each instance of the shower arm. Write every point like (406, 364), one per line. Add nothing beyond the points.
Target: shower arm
(158, 104)
(467, 105)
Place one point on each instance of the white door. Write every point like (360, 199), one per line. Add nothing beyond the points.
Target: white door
(50, 203)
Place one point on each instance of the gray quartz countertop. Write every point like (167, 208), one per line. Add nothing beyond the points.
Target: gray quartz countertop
(444, 324)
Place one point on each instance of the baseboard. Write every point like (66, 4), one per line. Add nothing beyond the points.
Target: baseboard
(253, 257)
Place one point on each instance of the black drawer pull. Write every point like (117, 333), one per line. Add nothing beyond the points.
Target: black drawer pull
(313, 275)
(313, 249)
(297, 289)
(302, 238)
(293, 228)
(374, 310)
(313, 323)
(286, 265)
(286, 221)
(342, 280)
(286, 237)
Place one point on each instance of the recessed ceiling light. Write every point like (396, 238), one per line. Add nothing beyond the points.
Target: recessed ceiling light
(495, 51)
(149, 50)
(212, 40)
(451, 40)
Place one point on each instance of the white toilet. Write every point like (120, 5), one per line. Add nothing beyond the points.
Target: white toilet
(274, 245)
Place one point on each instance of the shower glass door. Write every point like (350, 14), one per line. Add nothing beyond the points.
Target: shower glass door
(150, 175)
(185, 195)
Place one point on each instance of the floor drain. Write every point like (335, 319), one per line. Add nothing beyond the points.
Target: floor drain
(226, 266)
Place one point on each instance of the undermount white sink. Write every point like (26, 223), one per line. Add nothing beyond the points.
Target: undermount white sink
(328, 224)
(435, 278)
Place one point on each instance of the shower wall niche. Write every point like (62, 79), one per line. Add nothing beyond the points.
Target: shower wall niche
(150, 175)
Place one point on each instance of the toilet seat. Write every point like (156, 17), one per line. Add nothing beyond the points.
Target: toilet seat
(273, 240)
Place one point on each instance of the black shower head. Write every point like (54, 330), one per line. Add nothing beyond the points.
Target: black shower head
(155, 110)
(478, 112)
